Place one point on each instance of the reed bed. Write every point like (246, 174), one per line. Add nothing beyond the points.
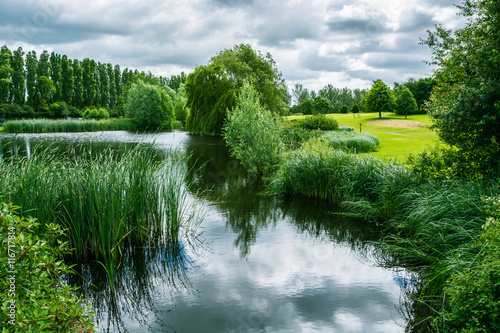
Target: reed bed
(107, 202)
(430, 225)
(53, 126)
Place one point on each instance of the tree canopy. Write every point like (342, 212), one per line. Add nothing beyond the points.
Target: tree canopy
(379, 99)
(465, 104)
(405, 102)
(212, 89)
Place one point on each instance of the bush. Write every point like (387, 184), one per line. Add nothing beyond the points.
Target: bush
(41, 302)
(14, 111)
(253, 133)
(58, 110)
(316, 122)
(344, 109)
(96, 114)
(150, 107)
(355, 108)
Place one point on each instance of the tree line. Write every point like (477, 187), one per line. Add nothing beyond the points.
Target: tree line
(52, 85)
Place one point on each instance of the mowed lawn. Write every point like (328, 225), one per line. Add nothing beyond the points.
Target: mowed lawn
(398, 136)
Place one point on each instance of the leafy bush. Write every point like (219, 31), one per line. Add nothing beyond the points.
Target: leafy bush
(58, 110)
(33, 298)
(316, 122)
(344, 109)
(14, 111)
(294, 137)
(355, 108)
(96, 114)
(253, 132)
(352, 141)
(150, 107)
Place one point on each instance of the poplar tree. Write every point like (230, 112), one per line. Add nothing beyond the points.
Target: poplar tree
(67, 80)
(78, 89)
(112, 85)
(103, 71)
(88, 81)
(18, 78)
(55, 74)
(31, 69)
(5, 72)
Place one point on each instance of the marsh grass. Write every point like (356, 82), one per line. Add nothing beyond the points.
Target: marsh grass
(351, 141)
(53, 126)
(430, 225)
(106, 201)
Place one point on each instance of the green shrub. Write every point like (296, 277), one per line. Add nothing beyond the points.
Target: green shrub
(150, 107)
(14, 111)
(351, 141)
(253, 133)
(317, 122)
(58, 110)
(41, 302)
(294, 137)
(344, 109)
(355, 108)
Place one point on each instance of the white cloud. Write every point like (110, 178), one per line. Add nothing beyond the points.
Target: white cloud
(313, 42)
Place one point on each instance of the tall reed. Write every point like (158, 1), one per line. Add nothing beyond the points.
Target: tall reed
(107, 201)
(351, 141)
(53, 126)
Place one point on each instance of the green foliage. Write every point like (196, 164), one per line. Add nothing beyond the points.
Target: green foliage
(318, 122)
(18, 77)
(379, 99)
(421, 90)
(54, 126)
(350, 141)
(405, 103)
(355, 108)
(307, 107)
(58, 110)
(473, 294)
(465, 103)
(211, 89)
(150, 107)
(5, 72)
(39, 302)
(321, 106)
(253, 132)
(14, 111)
(95, 113)
(344, 109)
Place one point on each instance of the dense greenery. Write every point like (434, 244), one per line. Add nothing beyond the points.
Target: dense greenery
(212, 89)
(405, 103)
(351, 141)
(107, 201)
(317, 122)
(149, 106)
(465, 104)
(39, 302)
(421, 90)
(253, 132)
(54, 126)
(379, 99)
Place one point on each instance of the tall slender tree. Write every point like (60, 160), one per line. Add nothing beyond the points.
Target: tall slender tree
(55, 74)
(104, 88)
(112, 85)
(88, 81)
(97, 76)
(118, 80)
(5, 72)
(31, 70)
(18, 78)
(78, 89)
(67, 80)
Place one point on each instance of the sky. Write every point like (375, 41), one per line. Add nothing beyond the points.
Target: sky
(314, 42)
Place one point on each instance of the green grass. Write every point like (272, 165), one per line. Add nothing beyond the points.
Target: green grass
(53, 126)
(107, 202)
(395, 143)
(351, 141)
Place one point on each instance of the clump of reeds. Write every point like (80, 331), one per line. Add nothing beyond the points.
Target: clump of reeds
(53, 126)
(106, 202)
(351, 141)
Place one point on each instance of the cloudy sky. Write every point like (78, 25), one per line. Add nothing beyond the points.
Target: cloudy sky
(314, 42)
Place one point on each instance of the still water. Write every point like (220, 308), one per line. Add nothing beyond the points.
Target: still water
(255, 263)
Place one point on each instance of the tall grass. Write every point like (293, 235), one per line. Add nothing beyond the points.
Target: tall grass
(53, 126)
(430, 225)
(351, 141)
(107, 202)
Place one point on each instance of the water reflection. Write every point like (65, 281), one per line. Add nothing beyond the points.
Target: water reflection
(144, 272)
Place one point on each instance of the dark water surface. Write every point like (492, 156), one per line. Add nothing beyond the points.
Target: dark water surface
(256, 264)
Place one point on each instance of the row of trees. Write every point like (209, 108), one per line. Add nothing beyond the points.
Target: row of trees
(44, 82)
(406, 98)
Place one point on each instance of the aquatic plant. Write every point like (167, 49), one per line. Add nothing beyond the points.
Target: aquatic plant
(53, 126)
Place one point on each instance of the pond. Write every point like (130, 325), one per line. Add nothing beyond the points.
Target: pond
(255, 263)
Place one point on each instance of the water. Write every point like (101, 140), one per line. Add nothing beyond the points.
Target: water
(256, 263)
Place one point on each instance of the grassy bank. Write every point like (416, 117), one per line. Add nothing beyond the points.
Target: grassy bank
(106, 202)
(431, 226)
(395, 142)
(53, 126)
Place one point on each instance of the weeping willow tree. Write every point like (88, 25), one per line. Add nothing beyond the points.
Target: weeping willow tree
(212, 89)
